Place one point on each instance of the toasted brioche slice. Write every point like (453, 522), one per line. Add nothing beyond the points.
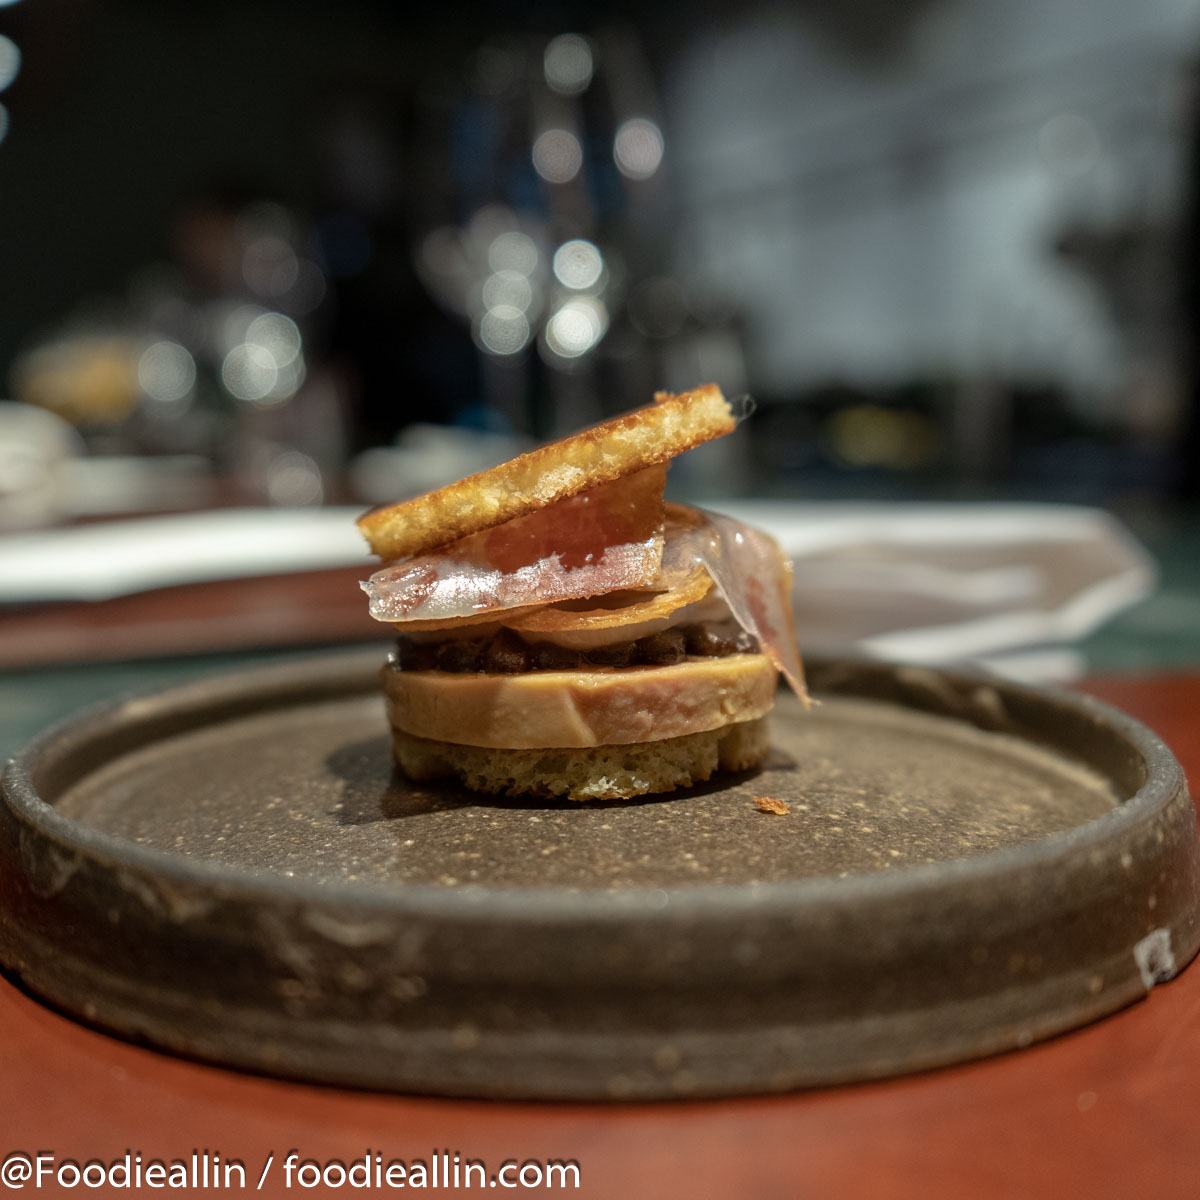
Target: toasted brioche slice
(598, 773)
(614, 448)
(594, 706)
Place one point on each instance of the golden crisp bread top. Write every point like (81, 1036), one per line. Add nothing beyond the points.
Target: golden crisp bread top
(620, 446)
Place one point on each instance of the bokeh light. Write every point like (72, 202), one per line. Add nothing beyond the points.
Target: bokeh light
(638, 148)
(503, 330)
(578, 264)
(509, 288)
(250, 373)
(277, 334)
(513, 251)
(10, 61)
(294, 478)
(568, 64)
(557, 155)
(166, 372)
(576, 327)
(264, 362)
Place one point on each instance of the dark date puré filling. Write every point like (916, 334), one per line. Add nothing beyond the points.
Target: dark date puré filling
(504, 652)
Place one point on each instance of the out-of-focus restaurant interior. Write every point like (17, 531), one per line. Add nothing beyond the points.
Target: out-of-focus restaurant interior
(267, 264)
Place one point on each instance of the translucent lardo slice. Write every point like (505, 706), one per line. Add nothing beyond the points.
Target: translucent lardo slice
(603, 540)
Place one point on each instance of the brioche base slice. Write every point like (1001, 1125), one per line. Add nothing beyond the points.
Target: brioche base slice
(580, 709)
(614, 448)
(596, 773)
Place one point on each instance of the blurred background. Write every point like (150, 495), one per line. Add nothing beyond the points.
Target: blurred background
(270, 256)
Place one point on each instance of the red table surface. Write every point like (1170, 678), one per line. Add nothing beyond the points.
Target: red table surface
(1112, 1110)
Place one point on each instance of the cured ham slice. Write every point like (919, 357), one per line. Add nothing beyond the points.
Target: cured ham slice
(750, 572)
(607, 539)
(579, 532)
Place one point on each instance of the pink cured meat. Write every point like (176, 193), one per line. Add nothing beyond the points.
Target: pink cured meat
(747, 567)
(440, 587)
(753, 577)
(607, 539)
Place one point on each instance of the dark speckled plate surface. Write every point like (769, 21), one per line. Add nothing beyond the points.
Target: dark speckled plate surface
(309, 793)
(232, 869)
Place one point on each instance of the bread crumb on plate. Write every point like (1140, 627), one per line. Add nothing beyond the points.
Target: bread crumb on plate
(769, 804)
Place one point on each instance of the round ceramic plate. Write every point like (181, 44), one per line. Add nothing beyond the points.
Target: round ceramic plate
(956, 867)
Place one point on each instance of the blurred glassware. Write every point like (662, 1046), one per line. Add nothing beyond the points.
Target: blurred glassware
(210, 360)
(555, 153)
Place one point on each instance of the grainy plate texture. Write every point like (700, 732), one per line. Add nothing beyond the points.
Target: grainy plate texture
(953, 867)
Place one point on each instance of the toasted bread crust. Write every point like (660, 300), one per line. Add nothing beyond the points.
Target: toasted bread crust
(599, 773)
(614, 448)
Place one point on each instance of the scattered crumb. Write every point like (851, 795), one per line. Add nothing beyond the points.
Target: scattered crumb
(769, 804)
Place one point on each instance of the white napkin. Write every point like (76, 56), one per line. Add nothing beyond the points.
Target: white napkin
(117, 558)
(1006, 585)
